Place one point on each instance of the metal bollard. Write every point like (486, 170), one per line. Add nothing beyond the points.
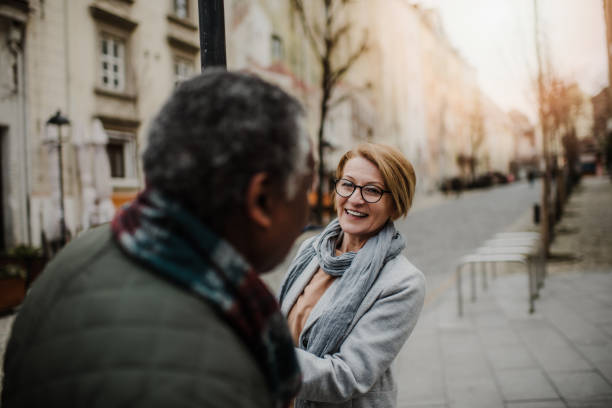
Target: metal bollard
(459, 292)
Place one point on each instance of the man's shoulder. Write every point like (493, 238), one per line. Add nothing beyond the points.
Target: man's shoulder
(77, 254)
(115, 313)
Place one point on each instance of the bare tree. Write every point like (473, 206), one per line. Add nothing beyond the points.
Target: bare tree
(559, 105)
(563, 104)
(326, 32)
(545, 219)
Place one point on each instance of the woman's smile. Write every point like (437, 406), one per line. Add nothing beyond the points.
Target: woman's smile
(355, 213)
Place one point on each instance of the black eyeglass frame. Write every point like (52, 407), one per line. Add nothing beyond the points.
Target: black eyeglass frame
(355, 187)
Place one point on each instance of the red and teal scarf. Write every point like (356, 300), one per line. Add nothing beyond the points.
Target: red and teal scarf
(160, 233)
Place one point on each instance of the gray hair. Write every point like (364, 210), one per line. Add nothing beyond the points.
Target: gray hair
(215, 132)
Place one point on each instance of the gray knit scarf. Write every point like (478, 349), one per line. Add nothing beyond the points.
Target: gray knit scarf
(357, 271)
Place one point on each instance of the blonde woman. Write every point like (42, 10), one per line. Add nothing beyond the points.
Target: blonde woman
(350, 296)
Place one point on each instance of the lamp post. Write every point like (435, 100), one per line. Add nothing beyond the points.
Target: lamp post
(212, 33)
(59, 120)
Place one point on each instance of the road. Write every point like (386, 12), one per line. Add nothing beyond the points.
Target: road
(438, 235)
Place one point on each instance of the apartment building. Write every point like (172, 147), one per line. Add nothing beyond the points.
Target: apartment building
(106, 65)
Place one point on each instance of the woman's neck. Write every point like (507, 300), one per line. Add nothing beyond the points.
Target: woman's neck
(351, 243)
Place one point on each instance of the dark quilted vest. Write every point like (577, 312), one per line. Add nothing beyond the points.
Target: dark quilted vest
(100, 330)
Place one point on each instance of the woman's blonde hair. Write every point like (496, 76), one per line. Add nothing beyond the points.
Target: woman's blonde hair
(397, 171)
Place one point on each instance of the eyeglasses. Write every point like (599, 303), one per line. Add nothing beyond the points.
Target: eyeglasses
(370, 193)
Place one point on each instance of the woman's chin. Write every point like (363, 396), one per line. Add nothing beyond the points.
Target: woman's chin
(355, 227)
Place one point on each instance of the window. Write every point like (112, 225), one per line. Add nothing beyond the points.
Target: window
(116, 157)
(181, 9)
(183, 69)
(121, 149)
(112, 48)
(277, 48)
(112, 73)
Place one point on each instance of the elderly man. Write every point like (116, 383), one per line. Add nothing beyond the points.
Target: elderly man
(164, 306)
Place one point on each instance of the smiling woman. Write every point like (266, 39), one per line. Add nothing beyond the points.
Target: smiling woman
(379, 169)
(351, 297)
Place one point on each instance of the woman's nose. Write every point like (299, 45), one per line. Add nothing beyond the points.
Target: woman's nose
(356, 197)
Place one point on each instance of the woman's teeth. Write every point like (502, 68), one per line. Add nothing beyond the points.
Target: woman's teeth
(356, 213)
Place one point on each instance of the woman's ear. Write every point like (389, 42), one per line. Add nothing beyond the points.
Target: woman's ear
(258, 199)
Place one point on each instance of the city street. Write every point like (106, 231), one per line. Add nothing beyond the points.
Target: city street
(497, 354)
(180, 123)
(437, 235)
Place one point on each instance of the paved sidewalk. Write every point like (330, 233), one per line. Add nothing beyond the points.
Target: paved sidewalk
(498, 355)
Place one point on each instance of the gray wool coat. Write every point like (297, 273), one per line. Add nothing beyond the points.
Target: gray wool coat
(359, 373)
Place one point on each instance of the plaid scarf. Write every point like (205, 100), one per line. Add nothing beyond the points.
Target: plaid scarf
(175, 244)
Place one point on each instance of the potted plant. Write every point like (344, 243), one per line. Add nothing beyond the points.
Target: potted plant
(30, 258)
(12, 286)
(18, 268)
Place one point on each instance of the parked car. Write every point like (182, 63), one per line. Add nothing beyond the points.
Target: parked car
(500, 178)
(588, 163)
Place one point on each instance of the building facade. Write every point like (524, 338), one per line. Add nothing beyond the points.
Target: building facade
(14, 154)
(108, 65)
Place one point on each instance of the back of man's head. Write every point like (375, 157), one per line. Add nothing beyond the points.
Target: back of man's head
(214, 133)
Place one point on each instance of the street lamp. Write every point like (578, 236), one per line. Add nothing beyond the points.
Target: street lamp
(59, 121)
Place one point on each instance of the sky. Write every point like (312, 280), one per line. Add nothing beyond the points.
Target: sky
(497, 38)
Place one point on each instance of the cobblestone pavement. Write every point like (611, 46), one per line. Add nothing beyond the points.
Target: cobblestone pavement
(498, 355)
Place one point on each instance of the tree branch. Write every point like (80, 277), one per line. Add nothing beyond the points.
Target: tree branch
(339, 101)
(299, 7)
(335, 38)
(338, 73)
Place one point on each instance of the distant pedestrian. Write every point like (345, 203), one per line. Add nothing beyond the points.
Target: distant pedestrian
(164, 308)
(351, 297)
(530, 177)
(457, 186)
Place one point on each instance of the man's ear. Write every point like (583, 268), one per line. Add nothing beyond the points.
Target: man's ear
(258, 200)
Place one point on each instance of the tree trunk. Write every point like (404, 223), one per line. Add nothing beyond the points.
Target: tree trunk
(324, 100)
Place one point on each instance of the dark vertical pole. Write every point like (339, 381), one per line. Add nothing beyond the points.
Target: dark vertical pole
(212, 33)
(59, 120)
(607, 6)
(61, 186)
